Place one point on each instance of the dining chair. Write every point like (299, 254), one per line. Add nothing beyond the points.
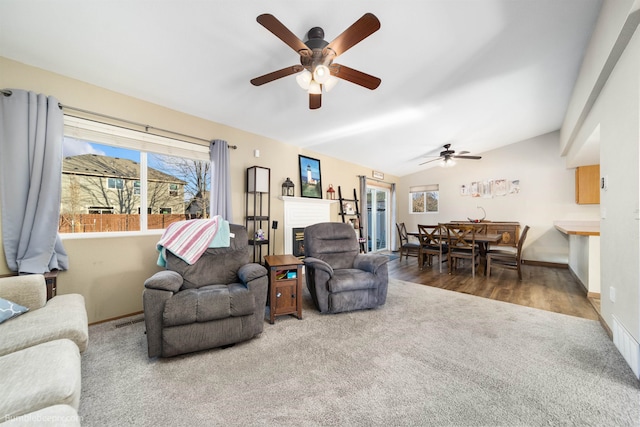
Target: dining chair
(508, 258)
(407, 248)
(432, 243)
(461, 240)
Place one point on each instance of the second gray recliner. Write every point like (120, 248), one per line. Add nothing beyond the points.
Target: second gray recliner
(338, 276)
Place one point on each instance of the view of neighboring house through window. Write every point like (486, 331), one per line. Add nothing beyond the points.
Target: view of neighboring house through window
(424, 199)
(105, 188)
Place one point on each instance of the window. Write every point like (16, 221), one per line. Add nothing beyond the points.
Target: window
(121, 172)
(115, 183)
(424, 199)
(100, 209)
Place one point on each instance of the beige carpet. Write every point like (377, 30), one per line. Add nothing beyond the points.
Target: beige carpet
(428, 357)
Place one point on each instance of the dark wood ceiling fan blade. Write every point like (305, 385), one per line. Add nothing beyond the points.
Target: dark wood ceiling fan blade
(354, 76)
(429, 161)
(278, 29)
(275, 75)
(468, 157)
(315, 101)
(358, 31)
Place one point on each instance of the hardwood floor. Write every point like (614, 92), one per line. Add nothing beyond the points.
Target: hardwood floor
(546, 288)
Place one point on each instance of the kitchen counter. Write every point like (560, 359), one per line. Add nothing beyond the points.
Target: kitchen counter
(580, 228)
(584, 252)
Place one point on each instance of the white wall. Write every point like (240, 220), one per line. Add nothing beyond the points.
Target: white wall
(620, 132)
(616, 111)
(547, 194)
(607, 30)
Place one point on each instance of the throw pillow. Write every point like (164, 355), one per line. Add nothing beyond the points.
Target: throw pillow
(10, 309)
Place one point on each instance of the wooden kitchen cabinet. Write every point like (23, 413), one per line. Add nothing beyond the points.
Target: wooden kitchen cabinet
(588, 185)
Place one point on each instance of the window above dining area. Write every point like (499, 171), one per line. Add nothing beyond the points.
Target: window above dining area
(424, 199)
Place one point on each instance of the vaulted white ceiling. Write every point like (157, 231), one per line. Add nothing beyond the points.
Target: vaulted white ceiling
(478, 74)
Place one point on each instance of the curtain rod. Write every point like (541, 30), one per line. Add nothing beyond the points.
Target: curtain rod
(146, 127)
(375, 179)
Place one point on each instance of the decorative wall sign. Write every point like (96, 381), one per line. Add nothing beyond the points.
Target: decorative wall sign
(491, 188)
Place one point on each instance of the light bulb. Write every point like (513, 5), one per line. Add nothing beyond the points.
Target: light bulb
(314, 88)
(447, 162)
(304, 79)
(321, 74)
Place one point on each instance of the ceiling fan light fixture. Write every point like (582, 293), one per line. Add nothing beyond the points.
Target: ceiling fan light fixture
(315, 88)
(304, 79)
(330, 83)
(321, 74)
(447, 162)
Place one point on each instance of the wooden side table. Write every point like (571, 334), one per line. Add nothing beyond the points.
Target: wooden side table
(50, 279)
(285, 285)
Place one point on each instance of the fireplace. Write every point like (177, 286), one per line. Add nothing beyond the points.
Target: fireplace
(297, 244)
(300, 212)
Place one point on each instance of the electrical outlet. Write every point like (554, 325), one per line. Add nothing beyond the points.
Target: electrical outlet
(612, 294)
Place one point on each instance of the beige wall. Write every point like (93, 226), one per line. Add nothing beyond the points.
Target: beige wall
(110, 272)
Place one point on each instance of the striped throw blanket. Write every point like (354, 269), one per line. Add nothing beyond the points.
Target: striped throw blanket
(188, 240)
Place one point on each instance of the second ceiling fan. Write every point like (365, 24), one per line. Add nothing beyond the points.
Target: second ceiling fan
(317, 69)
(447, 156)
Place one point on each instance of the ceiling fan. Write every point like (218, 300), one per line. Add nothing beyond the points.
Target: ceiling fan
(317, 70)
(447, 156)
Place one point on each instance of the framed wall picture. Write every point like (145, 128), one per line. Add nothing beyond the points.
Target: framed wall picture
(310, 179)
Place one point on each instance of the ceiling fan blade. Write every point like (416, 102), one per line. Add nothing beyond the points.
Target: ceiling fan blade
(358, 31)
(278, 29)
(468, 157)
(354, 76)
(276, 75)
(429, 161)
(315, 101)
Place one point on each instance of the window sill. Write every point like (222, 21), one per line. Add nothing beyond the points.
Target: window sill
(80, 236)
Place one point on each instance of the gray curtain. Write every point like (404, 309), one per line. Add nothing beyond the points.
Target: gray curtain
(31, 135)
(364, 217)
(220, 180)
(394, 219)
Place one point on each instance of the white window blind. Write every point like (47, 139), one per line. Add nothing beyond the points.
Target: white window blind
(424, 188)
(90, 130)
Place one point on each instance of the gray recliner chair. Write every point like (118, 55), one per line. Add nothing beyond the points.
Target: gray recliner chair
(338, 276)
(217, 301)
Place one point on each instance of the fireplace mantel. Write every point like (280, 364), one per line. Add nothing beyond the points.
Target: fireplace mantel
(300, 212)
(306, 200)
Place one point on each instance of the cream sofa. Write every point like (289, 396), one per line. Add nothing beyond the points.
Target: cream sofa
(40, 354)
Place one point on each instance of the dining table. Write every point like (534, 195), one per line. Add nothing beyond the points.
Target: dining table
(483, 241)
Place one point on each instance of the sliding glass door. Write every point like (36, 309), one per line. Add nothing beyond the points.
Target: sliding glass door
(378, 202)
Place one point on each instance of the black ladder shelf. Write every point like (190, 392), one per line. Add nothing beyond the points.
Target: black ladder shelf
(349, 210)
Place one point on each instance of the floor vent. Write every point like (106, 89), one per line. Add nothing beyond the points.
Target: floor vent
(628, 347)
(129, 322)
